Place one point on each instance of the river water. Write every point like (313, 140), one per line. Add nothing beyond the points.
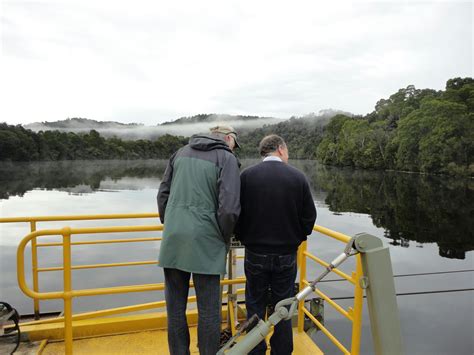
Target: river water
(427, 222)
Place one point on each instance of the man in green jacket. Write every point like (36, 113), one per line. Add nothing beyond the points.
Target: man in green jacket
(199, 204)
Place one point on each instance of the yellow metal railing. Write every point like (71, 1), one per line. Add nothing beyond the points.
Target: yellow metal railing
(33, 222)
(68, 293)
(353, 314)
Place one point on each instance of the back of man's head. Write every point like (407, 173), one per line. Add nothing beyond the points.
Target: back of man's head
(270, 144)
(222, 131)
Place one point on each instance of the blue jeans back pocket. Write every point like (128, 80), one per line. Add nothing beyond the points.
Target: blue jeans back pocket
(287, 261)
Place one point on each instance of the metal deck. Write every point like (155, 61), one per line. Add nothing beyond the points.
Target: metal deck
(153, 342)
(131, 334)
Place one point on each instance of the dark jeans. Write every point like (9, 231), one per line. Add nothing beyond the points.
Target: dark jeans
(278, 272)
(209, 311)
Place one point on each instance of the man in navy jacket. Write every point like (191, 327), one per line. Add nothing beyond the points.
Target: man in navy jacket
(277, 214)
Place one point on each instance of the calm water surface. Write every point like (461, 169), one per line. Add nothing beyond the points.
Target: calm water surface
(426, 221)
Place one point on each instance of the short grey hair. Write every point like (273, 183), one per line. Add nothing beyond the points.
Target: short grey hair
(270, 144)
(218, 135)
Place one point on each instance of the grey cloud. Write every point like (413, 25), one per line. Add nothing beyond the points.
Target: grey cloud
(292, 94)
(347, 57)
(424, 52)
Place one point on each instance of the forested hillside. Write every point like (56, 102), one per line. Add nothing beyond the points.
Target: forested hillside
(414, 130)
(302, 135)
(20, 144)
(420, 130)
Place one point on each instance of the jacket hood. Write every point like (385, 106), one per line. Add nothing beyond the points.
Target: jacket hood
(206, 143)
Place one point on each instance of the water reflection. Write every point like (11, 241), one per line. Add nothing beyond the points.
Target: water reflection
(423, 209)
(74, 176)
(413, 210)
(410, 207)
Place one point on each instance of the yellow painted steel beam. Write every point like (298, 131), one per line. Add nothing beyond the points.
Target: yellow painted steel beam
(230, 310)
(334, 305)
(77, 217)
(137, 288)
(42, 346)
(106, 241)
(236, 281)
(116, 229)
(101, 326)
(117, 290)
(115, 311)
(34, 270)
(67, 294)
(302, 266)
(326, 331)
(331, 302)
(325, 264)
(105, 312)
(333, 234)
(94, 266)
(358, 306)
(20, 260)
(107, 325)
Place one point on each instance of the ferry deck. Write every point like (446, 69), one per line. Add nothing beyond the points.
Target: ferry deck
(141, 328)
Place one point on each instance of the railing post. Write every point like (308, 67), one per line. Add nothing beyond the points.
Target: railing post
(231, 291)
(34, 270)
(358, 305)
(302, 265)
(381, 295)
(68, 338)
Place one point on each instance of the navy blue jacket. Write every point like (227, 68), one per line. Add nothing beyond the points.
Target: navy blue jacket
(277, 209)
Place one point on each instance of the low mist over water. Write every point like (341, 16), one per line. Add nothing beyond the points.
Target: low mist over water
(140, 131)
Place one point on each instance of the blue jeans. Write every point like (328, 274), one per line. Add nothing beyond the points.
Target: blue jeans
(279, 273)
(209, 311)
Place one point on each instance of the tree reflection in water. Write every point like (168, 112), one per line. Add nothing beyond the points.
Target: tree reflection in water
(410, 207)
(18, 178)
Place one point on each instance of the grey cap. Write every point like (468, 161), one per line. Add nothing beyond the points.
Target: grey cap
(227, 130)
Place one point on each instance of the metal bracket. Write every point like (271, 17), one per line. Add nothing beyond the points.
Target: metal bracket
(364, 282)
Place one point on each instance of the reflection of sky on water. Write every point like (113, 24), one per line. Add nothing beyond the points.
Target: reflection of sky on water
(422, 316)
(429, 326)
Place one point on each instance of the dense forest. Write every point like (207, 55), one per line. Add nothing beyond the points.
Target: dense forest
(20, 144)
(419, 130)
(413, 130)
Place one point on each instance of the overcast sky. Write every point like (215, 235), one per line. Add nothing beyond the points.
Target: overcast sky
(150, 62)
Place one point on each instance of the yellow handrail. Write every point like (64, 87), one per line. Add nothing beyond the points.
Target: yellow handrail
(325, 264)
(33, 220)
(85, 217)
(68, 293)
(353, 314)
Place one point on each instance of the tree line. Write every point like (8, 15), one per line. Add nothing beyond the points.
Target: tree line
(413, 130)
(20, 144)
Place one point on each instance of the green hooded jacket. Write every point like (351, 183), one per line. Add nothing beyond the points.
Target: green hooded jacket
(199, 204)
